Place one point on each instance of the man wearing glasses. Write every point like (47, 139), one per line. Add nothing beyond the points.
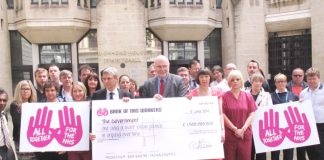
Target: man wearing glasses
(297, 84)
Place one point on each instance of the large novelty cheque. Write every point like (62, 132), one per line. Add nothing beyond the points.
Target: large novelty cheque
(284, 126)
(146, 129)
(60, 126)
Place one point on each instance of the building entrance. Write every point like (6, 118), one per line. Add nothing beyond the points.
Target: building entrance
(287, 52)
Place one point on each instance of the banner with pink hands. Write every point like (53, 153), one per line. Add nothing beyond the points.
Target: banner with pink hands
(284, 126)
(62, 126)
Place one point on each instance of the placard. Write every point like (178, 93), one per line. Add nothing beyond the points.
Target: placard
(59, 126)
(283, 126)
(173, 128)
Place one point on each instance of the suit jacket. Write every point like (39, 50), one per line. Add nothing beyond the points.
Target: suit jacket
(102, 94)
(173, 87)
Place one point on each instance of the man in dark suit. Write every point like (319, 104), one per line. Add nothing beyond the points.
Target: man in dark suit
(164, 84)
(109, 77)
(194, 67)
(6, 152)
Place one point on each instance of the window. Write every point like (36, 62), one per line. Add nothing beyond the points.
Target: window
(213, 49)
(189, 1)
(218, 4)
(153, 44)
(199, 2)
(34, 1)
(152, 3)
(93, 3)
(55, 53)
(88, 48)
(10, 4)
(287, 52)
(64, 1)
(44, 1)
(55, 1)
(181, 1)
(182, 50)
(21, 58)
(85, 3)
(172, 1)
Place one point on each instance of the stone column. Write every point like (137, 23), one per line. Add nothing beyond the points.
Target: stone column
(317, 23)
(5, 60)
(121, 37)
(250, 35)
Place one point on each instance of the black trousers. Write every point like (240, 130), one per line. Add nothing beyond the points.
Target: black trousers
(3, 152)
(316, 152)
(288, 154)
(301, 153)
(258, 156)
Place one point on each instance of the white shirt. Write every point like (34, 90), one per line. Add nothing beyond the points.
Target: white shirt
(222, 85)
(115, 96)
(317, 98)
(67, 97)
(2, 137)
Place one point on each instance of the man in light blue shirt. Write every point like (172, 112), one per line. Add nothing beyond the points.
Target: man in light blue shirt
(315, 92)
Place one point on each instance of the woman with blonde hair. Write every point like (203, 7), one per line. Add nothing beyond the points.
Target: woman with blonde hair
(24, 93)
(279, 96)
(79, 94)
(238, 109)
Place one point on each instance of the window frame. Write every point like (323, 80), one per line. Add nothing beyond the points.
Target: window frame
(184, 49)
(44, 44)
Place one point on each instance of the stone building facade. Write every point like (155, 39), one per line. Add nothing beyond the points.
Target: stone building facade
(128, 34)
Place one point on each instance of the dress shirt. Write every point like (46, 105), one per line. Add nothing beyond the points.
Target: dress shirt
(115, 96)
(317, 98)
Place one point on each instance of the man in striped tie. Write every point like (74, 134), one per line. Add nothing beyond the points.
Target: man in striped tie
(4, 132)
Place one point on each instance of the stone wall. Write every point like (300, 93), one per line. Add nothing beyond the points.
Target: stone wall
(5, 65)
(318, 34)
(121, 37)
(246, 21)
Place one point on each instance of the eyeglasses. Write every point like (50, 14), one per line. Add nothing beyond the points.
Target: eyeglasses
(3, 100)
(297, 75)
(281, 81)
(25, 89)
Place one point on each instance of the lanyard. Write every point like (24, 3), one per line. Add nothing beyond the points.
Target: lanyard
(281, 99)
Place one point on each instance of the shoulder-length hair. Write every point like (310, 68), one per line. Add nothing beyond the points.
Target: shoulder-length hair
(91, 76)
(82, 87)
(17, 96)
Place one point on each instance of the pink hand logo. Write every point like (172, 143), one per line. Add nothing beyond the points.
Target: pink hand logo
(269, 132)
(70, 131)
(298, 129)
(102, 112)
(39, 133)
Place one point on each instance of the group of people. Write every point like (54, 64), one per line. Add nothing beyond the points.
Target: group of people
(238, 100)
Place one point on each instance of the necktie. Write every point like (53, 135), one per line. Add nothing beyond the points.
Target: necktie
(162, 87)
(194, 83)
(5, 131)
(111, 95)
